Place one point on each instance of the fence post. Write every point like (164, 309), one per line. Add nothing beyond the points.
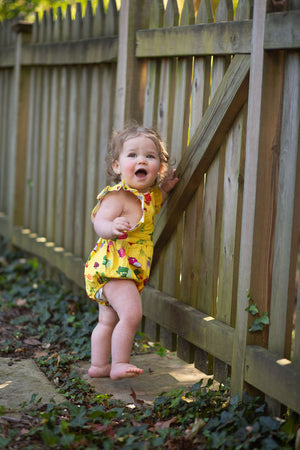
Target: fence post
(250, 184)
(129, 96)
(17, 133)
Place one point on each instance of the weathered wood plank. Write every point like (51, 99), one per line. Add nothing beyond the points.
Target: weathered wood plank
(218, 117)
(84, 51)
(190, 266)
(248, 214)
(179, 141)
(4, 136)
(282, 30)
(36, 131)
(43, 153)
(205, 299)
(194, 326)
(51, 179)
(166, 276)
(30, 156)
(201, 39)
(130, 70)
(91, 163)
(286, 205)
(224, 38)
(167, 80)
(80, 170)
(71, 155)
(228, 243)
(72, 267)
(274, 375)
(266, 189)
(61, 157)
(152, 80)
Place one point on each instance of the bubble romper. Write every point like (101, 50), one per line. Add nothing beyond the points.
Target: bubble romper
(128, 256)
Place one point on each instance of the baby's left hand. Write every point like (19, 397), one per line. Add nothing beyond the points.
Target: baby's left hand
(169, 183)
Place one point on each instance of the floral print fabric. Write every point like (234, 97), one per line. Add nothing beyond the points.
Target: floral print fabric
(126, 257)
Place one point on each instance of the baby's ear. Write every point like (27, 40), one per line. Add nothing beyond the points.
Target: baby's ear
(116, 167)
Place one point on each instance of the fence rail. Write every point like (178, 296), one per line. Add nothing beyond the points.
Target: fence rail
(223, 89)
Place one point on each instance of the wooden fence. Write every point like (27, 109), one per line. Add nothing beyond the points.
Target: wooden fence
(223, 89)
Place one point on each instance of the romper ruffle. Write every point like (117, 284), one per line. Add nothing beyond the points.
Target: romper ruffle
(129, 256)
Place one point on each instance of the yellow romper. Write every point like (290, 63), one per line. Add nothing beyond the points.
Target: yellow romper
(126, 257)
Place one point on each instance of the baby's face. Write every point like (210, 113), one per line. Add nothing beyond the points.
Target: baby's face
(139, 163)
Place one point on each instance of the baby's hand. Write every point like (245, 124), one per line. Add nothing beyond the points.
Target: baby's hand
(169, 183)
(119, 225)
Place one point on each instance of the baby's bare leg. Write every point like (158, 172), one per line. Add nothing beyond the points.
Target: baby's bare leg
(101, 342)
(126, 301)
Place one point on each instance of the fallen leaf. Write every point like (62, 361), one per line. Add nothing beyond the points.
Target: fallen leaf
(165, 424)
(136, 401)
(40, 354)
(194, 428)
(50, 357)
(31, 341)
(21, 302)
(3, 261)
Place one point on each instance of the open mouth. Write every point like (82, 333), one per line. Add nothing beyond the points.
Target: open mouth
(141, 173)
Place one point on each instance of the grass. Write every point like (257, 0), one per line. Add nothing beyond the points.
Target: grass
(40, 320)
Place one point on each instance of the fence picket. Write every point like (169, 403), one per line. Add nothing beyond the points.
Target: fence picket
(88, 22)
(111, 19)
(80, 170)
(61, 185)
(57, 25)
(244, 10)
(92, 157)
(70, 161)
(36, 147)
(5, 107)
(252, 142)
(77, 23)
(160, 277)
(179, 143)
(52, 159)
(283, 286)
(67, 25)
(43, 154)
(152, 82)
(166, 97)
(99, 20)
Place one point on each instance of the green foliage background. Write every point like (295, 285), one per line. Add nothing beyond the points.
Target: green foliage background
(10, 9)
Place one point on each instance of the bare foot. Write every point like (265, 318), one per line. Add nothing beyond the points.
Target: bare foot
(124, 370)
(99, 372)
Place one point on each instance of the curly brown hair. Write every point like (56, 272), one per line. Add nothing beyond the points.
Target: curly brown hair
(131, 131)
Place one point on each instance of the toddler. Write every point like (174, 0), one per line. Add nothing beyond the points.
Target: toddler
(118, 267)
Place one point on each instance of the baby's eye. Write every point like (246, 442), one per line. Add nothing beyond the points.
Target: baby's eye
(131, 155)
(151, 156)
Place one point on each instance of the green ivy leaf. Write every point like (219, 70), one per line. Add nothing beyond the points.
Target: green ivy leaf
(256, 326)
(252, 309)
(264, 319)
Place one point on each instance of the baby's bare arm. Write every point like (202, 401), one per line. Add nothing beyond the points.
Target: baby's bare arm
(108, 222)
